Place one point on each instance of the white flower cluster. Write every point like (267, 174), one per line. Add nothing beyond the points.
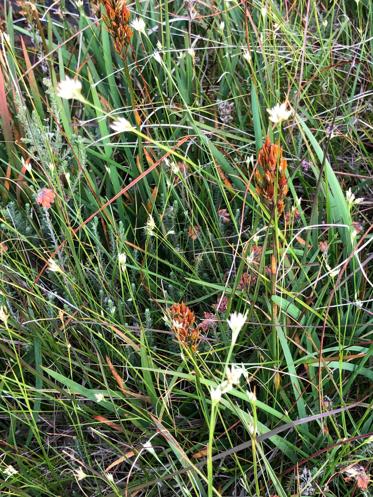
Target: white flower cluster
(138, 25)
(234, 374)
(278, 113)
(352, 200)
(236, 322)
(4, 316)
(69, 89)
(121, 125)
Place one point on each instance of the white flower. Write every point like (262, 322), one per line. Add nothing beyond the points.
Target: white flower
(234, 374)
(4, 316)
(222, 26)
(122, 259)
(69, 88)
(251, 396)
(99, 397)
(225, 386)
(352, 200)
(247, 55)
(53, 266)
(9, 471)
(216, 394)
(80, 475)
(138, 24)
(159, 45)
(109, 477)
(235, 323)
(150, 225)
(333, 273)
(279, 113)
(149, 447)
(173, 166)
(121, 125)
(27, 165)
(157, 56)
(264, 11)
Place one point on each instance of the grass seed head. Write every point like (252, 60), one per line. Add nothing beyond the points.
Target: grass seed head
(117, 22)
(182, 321)
(271, 175)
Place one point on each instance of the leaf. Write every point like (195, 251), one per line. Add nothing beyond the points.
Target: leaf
(332, 190)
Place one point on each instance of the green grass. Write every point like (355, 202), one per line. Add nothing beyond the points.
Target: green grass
(90, 373)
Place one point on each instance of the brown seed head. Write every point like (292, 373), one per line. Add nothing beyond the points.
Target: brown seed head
(271, 175)
(117, 22)
(183, 325)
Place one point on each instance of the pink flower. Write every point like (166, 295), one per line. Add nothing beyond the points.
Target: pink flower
(224, 216)
(209, 322)
(221, 304)
(46, 198)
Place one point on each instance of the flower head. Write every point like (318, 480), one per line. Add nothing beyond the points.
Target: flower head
(45, 198)
(79, 474)
(352, 200)
(216, 394)
(271, 175)
(182, 321)
(194, 231)
(279, 113)
(157, 56)
(221, 304)
(209, 322)
(236, 322)
(4, 316)
(69, 88)
(234, 374)
(247, 55)
(122, 259)
(138, 25)
(149, 447)
(53, 266)
(117, 23)
(121, 125)
(150, 226)
(9, 471)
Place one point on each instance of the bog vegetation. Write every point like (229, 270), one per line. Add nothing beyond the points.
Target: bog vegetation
(185, 291)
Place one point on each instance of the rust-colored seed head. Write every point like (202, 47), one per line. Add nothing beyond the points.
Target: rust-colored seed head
(270, 174)
(117, 22)
(183, 325)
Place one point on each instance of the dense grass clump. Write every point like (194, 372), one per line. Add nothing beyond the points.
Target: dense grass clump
(185, 292)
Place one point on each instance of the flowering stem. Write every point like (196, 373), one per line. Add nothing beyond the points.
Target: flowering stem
(214, 410)
(229, 355)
